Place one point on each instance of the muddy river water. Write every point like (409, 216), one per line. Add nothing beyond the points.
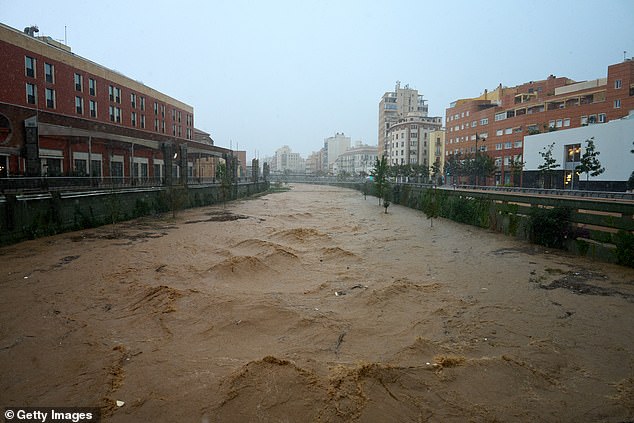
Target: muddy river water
(313, 305)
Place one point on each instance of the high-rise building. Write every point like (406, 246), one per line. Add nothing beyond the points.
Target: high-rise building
(333, 148)
(286, 160)
(396, 105)
(496, 122)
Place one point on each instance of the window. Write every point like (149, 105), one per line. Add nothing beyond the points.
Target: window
(163, 126)
(156, 124)
(163, 112)
(508, 131)
(31, 93)
(92, 86)
(484, 121)
(155, 108)
(572, 153)
(474, 123)
(117, 114)
(142, 101)
(133, 118)
(117, 94)
(29, 66)
(78, 82)
(173, 115)
(111, 92)
(551, 124)
(49, 73)
(133, 100)
(618, 84)
(567, 122)
(602, 118)
(180, 131)
(517, 144)
(50, 98)
(498, 146)
(500, 116)
(560, 123)
(499, 132)
(179, 118)
(584, 120)
(508, 145)
(81, 168)
(142, 121)
(93, 108)
(592, 119)
(617, 104)
(79, 105)
(111, 113)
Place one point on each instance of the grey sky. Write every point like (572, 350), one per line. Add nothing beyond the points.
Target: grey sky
(262, 74)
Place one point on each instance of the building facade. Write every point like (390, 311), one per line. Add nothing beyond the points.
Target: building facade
(64, 115)
(314, 162)
(437, 148)
(408, 139)
(286, 160)
(393, 107)
(333, 148)
(613, 140)
(496, 122)
(359, 160)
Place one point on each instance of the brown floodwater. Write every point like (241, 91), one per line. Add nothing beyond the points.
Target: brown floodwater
(313, 305)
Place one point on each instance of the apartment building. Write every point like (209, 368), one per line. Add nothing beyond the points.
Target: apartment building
(496, 122)
(334, 147)
(314, 162)
(395, 106)
(286, 160)
(437, 148)
(62, 114)
(358, 160)
(408, 139)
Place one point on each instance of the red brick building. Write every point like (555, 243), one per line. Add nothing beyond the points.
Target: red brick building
(63, 115)
(496, 122)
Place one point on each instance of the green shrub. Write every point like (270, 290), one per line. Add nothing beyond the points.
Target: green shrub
(550, 227)
(624, 242)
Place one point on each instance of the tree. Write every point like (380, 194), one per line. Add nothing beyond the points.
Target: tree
(590, 164)
(379, 174)
(435, 171)
(484, 166)
(516, 165)
(549, 164)
(452, 167)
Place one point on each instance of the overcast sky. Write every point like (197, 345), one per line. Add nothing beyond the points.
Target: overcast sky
(262, 74)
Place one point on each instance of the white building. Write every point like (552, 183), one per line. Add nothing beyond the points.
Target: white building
(333, 148)
(358, 160)
(408, 141)
(613, 140)
(285, 159)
